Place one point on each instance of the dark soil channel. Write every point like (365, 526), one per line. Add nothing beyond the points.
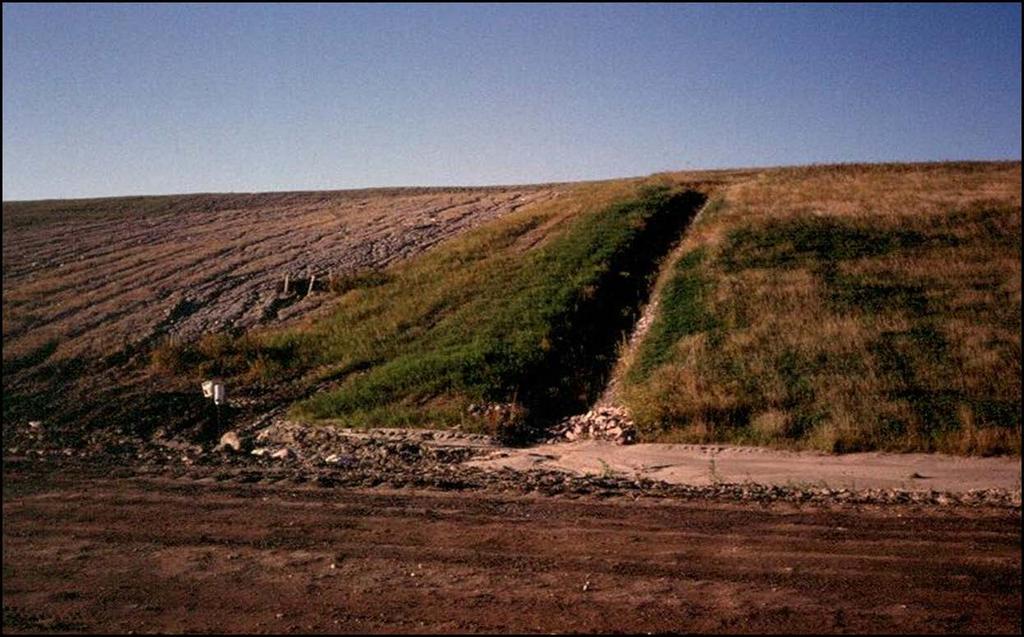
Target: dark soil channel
(584, 344)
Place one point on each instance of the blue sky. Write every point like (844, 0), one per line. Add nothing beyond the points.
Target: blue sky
(147, 99)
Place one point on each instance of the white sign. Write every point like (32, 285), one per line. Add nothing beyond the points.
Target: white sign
(218, 393)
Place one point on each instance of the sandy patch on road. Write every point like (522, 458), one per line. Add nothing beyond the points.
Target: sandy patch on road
(707, 464)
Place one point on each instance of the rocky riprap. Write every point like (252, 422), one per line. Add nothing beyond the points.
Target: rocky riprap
(600, 423)
(329, 446)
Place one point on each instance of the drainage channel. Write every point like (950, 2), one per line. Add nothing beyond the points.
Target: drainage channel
(607, 418)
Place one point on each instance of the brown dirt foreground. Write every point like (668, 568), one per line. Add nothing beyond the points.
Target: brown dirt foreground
(86, 553)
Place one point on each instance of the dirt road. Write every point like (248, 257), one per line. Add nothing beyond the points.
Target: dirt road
(87, 553)
(707, 464)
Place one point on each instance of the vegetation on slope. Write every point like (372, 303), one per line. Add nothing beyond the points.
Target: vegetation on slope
(844, 308)
(525, 312)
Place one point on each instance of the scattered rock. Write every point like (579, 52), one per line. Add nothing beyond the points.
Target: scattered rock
(230, 442)
(340, 459)
(333, 457)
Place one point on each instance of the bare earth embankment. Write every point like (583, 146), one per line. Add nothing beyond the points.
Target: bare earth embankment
(90, 287)
(100, 274)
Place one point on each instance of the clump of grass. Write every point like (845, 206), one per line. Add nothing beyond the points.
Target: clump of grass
(342, 283)
(221, 354)
(170, 355)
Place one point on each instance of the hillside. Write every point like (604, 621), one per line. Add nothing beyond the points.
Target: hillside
(839, 308)
(91, 286)
(520, 317)
(93, 274)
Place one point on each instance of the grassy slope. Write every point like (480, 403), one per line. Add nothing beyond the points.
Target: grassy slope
(838, 308)
(844, 308)
(525, 311)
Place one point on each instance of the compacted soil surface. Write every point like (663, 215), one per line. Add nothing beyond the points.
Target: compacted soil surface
(86, 550)
(709, 463)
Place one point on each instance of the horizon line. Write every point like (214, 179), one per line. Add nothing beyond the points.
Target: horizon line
(538, 184)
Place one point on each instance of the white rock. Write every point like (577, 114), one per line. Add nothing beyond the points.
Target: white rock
(231, 441)
(339, 458)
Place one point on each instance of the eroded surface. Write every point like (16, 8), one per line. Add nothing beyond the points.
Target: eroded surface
(94, 275)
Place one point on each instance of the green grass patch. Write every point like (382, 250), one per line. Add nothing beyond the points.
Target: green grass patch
(355, 280)
(819, 241)
(898, 372)
(683, 311)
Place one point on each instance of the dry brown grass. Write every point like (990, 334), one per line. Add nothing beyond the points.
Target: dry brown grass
(850, 307)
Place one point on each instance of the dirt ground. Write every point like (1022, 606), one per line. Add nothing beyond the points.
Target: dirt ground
(88, 553)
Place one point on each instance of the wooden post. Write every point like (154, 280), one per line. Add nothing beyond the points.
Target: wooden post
(285, 293)
(312, 278)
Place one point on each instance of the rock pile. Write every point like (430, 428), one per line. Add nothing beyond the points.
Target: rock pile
(600, 423)
(329, 446)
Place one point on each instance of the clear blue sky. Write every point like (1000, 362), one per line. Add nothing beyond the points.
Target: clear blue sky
(114, 100)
